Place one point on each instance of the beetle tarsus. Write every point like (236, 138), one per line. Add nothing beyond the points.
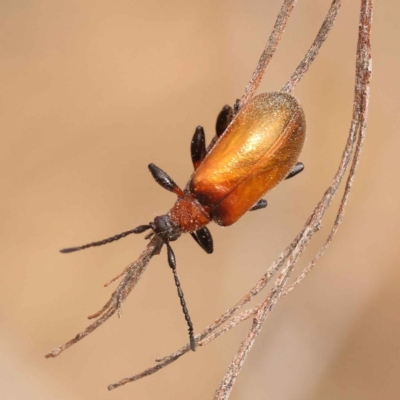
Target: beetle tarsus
(164, 180)
(172, 264)
(198, 147)
(299, 167)
(262, 203)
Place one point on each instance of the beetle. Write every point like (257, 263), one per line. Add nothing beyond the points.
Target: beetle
(255, 148)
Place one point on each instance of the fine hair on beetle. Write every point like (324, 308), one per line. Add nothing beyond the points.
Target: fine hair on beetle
(254, 148)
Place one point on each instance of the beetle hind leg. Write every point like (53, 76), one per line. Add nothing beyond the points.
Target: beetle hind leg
(295, 170)
(262, 203)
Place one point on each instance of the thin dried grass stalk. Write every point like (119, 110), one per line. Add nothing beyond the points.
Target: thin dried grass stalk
(132, 273)
(269, 51)
(289, 257)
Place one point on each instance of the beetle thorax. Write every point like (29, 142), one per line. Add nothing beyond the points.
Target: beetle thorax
(189, 214)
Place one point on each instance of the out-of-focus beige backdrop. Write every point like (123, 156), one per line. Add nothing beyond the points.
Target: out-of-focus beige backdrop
(91, 92)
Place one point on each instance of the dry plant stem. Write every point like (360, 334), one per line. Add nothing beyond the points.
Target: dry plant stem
(357, 133)
(304, 236)
(288, 259)
(132, 275)
(229, 325)
(291, 255)
(360, 109)
(243, 301)
(173, 357)
(235, 367)
(269, 51)
(163, 362)
(315, 47)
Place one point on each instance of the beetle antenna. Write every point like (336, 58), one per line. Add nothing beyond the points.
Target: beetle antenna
(139, 229)
(172, 264)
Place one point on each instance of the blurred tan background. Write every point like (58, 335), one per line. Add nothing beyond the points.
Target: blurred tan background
(92, 92)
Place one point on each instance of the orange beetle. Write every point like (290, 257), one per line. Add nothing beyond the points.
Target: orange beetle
(254, 149)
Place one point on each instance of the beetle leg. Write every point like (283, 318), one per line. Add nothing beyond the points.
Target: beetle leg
(198, 147)
(295, 170)
(223, 120)
(194, 236)
(172, 264)
(262, 203)
(204, 239)
(164, 180)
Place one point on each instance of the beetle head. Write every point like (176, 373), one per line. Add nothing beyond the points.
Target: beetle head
(164, 228)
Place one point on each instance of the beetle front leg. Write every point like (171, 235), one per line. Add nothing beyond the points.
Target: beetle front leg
(164, 180)
(262, 203)
(204, 239)
(295, 170)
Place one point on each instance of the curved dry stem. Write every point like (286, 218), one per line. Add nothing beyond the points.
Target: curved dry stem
(315, 47)
(363, 74)
(292, 254)
(269, 51)
(229, 325)
(132, 275)
(357, 129)
(225, 387)
(164, 361)
(288, 258)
